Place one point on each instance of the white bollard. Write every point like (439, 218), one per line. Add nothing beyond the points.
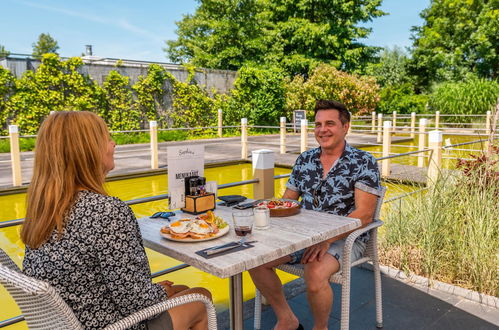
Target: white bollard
(153, 130)
(219, 122)
(435, 162)
(373, 121)
(304, 135)
(283, 135)
(437, 119)
(263, 169)
(394, 121)
(15, 155)
(379, 138)
(244, 138)
(422, 141)
(387, 143)
(413, 125)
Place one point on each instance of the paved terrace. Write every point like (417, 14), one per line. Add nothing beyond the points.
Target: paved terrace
(405, 306)
(136, 157)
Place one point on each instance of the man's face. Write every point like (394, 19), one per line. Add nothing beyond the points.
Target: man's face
(329, 131)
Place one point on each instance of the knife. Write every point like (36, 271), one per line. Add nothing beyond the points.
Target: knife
(226, 247)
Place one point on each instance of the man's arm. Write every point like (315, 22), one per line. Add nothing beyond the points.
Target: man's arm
(365, 205)
(291, 194)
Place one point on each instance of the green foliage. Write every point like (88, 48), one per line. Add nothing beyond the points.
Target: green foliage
(472, 96)
(359, 94)
(152, 93)
(259, 95)
(44, 45)
(448, 233)
(391, 67)
(401, 98)
(3, 52)
(7, 89)
(56, 85)
(457, 37)
(294, 35)
(119, 113)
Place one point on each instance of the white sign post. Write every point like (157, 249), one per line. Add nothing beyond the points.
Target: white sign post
(183, 161)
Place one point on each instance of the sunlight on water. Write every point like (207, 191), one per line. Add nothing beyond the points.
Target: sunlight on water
(13, 207)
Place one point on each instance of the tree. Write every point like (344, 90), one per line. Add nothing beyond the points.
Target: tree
(120, 114)
(391, 68)
(295, 35)
(457, 37)
(45, 44)
(7, 89)
(3, 52)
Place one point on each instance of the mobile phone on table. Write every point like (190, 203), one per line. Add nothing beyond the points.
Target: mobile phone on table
(163, 215)
(244, 206)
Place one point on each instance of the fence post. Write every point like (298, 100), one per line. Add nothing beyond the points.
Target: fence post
(422, 141)
(488, 130)
(394, 121)
(413, 125)
(380, 133)
(244, 138)
(373, 121)
(15, 155)
(304, 135)
(219, 122)
(153, 130)
(387, 142)
(283, 135)
(437, 119)
(263, 170)
(435, 162)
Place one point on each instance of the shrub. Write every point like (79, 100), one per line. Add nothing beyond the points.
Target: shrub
(7, 89)
(359, 94)
(472, 96)
(401, 98)
(258, 95)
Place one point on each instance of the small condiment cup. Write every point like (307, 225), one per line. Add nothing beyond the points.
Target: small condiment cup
(262, 217)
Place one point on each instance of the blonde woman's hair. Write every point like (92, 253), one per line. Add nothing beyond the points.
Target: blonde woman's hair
(68, 158)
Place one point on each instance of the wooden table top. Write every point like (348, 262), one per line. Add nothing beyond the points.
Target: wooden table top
(285, 235)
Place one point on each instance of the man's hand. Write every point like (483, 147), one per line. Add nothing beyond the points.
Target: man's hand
(172, 289)
(315, 252)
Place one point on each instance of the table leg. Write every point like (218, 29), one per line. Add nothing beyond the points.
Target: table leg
(236, 302)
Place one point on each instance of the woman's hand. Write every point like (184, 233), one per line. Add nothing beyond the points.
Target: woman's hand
(171, 289)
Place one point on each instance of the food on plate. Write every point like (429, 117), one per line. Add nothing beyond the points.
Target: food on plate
(278, 204)
(280, 207)
(204, 226)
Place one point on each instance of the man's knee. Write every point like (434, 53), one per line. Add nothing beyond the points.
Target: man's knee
(317, 274)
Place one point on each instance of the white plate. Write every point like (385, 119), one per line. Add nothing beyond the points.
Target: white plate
(222, 232)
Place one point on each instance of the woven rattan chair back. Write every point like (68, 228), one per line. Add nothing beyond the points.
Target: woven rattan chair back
(40, 304)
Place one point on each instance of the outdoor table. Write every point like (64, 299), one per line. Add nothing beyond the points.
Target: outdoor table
(286, 235)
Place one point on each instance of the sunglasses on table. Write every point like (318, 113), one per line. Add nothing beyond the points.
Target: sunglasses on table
(163, 215)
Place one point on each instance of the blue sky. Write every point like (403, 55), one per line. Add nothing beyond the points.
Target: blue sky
(137, 29)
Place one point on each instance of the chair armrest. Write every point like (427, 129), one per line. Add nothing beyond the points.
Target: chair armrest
(347, 248)
(160, 307)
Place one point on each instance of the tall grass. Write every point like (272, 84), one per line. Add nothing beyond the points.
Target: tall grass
(449, 232)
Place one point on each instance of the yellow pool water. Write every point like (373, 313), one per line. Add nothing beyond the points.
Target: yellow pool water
(13, 207)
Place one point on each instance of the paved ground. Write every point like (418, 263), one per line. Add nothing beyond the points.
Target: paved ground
(136, 158)
(407, 307)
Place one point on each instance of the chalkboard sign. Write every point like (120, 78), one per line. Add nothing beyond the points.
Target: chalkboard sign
(298, 115)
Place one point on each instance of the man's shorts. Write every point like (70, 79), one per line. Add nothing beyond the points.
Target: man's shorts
(336, 250)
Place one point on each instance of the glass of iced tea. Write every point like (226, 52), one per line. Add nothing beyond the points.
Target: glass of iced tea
(243, 221)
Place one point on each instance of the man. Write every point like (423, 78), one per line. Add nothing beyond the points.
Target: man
(334, 178)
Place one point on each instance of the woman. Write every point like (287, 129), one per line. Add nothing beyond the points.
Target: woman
(86, 243)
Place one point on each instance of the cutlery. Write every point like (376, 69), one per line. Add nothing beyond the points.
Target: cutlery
(226, 247)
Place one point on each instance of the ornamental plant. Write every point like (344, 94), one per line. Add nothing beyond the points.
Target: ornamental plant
(359, 94)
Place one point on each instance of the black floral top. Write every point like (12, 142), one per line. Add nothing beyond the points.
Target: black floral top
(98, 266)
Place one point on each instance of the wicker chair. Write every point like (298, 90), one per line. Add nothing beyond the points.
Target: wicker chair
(43, 308)
(343, 276)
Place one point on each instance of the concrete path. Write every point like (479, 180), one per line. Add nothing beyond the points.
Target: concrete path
(136, 157)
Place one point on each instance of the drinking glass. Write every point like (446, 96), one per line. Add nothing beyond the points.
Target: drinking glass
(243, 222)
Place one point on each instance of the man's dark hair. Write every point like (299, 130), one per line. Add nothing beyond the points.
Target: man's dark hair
(333, 105)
